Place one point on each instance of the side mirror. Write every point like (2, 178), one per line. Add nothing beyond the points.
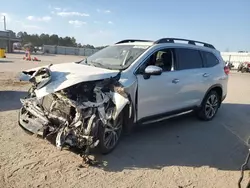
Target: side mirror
(153, 70)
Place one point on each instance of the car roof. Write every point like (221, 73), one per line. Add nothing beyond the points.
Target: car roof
(169, 42)
(142, 43)
(137, 43)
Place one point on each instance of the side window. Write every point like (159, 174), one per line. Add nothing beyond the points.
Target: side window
(210, 59)
(189, 59)
(164, 58)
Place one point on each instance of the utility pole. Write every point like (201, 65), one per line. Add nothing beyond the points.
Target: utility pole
(4, 23)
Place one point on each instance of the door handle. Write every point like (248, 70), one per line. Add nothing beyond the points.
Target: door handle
(205, 75)
(175, 81)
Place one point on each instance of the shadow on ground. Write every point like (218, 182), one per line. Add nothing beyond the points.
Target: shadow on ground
(6, 61)
(33, 53)
(186, 141)
(183, 141)
(10, 100)
(46, 54)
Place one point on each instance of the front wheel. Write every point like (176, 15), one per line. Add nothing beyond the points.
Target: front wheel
(110, 134)
(209, 106)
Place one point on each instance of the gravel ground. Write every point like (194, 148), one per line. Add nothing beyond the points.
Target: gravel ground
(181, 153)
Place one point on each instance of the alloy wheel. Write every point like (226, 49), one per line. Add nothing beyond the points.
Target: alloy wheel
(211, 106)
(112, 133)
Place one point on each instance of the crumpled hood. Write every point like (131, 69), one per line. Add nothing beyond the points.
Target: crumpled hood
(67, 74)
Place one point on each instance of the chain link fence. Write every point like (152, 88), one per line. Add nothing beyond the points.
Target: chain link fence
(68, 50)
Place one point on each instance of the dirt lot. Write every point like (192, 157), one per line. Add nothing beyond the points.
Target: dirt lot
(178, 153)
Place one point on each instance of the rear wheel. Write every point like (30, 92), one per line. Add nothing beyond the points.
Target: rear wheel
(110, 134)
(209, 106)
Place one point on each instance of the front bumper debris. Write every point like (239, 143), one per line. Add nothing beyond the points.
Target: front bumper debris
(31, 117)
(71, 115)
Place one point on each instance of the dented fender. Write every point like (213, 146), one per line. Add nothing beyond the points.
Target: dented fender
(65, 75)
(120, 102)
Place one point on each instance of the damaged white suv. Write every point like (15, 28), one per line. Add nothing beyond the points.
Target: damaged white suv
(90, 103)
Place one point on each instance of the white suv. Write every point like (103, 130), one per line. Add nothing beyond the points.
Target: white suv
(91, 102)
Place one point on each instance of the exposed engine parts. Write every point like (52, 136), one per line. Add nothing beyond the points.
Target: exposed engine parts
(76, 114)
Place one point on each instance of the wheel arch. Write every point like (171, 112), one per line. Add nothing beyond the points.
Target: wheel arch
(218, 89)
(128, 121)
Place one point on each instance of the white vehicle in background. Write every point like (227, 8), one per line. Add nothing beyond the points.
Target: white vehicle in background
(91, 102)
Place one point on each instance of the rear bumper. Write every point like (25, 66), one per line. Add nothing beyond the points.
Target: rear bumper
(223, 98)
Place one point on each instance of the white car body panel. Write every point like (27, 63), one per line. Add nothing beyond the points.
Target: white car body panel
(156, 81)
(166, 96)
(156, 95)
(67, 74)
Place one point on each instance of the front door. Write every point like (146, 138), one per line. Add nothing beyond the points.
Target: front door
(159, 93)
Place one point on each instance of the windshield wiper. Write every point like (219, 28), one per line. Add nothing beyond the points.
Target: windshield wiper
(84, 61)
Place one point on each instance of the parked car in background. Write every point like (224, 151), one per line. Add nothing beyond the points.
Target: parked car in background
(244, 67)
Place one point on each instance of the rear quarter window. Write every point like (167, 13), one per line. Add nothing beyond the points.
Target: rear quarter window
(210, 59)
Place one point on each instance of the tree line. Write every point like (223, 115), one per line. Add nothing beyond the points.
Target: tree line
(46, 39)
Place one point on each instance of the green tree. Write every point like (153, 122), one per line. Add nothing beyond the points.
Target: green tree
(45, 39)
(20, 34)
(54, 39)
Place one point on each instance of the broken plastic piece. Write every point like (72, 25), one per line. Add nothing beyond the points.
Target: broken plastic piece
(120, 102)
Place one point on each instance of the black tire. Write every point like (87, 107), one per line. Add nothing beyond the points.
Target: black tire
(103, 148)
(209, 102)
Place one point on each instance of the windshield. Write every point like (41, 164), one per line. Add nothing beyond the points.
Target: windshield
(115, 57)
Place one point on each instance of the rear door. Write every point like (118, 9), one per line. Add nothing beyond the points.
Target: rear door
(213, 71)
(191, 66)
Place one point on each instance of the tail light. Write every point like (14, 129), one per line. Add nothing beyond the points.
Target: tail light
(248, 65)
(226, 70)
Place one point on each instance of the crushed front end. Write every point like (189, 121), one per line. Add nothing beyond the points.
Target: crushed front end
(75, 114)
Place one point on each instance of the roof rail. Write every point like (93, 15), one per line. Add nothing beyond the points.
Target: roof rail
(193, 42)
(133, 40)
